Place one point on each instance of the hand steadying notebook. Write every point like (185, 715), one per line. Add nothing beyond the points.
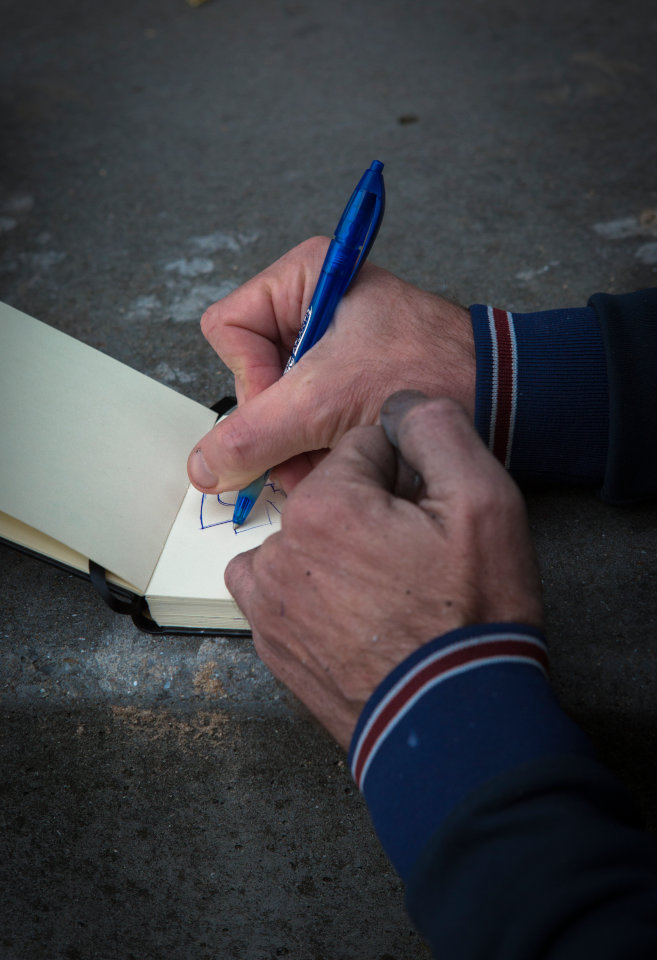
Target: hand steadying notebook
(93, 468)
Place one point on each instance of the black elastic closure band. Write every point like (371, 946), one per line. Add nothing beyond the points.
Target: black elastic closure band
(113, 600)
(134, 606)
(224, 405)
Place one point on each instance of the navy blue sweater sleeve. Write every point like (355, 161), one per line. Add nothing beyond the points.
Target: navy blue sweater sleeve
(629, 330)
(456, 713)
(512, 840)
(571, 395)
(545, 861)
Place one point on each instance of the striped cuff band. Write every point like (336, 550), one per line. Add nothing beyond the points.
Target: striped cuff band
(504, 383)
(434, 668)
(541, 401)
(460, 711)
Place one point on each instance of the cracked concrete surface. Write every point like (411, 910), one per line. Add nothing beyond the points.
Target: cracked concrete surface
(165, 797)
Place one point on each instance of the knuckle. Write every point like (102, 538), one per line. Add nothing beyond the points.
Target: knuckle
(318, 510)
(353, 441)
(210, 322)
(339, 512)
(444, 411)
(311, 253)
(271, 569)
(266, 560)
(314, 246)
(496, 498)
(305, 514)
(439, 419)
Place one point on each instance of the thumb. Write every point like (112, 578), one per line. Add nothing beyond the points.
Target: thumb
(438, 441)
(262, 432)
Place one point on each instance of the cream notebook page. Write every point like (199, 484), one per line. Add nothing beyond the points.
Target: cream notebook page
(93, 452)
(200, 545)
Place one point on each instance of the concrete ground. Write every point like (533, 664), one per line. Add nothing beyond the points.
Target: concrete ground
(165, 798)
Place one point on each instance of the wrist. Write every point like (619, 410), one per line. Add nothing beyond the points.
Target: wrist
(463, 362)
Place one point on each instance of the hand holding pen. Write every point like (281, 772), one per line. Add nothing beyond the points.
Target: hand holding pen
(387, 335)
(353, 239)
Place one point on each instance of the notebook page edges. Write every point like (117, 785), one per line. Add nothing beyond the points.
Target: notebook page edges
(190, 571)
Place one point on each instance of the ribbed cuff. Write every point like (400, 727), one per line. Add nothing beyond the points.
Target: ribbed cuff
(460, 710)
(541, 397)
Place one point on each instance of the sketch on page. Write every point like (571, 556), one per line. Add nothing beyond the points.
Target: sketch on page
(218, 510)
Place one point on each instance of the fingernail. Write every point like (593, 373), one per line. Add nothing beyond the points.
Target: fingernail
(199, 471)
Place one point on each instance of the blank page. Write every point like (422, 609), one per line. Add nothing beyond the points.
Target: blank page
(93, 453)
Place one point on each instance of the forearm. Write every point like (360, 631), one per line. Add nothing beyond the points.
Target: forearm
(546, 860)
(461, 710)
(511, 838)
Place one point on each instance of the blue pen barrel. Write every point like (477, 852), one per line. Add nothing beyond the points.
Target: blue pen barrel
(351, 244)
(353, 237)
(356, 219)
(328, 293)
(339, 259)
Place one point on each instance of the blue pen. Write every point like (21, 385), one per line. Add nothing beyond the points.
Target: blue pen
(353, 239)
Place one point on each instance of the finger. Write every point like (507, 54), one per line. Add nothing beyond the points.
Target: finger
(363, 457)
(290, 417)
(253, 328)
(409, 484)
(243, 330)
(395, 408)
(467, 489)
(437, 439)
(239, 578)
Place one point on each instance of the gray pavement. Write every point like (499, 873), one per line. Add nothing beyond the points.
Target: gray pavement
(165, 798)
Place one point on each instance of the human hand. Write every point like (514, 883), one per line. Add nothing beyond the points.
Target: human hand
(359, 576)
(386, 335)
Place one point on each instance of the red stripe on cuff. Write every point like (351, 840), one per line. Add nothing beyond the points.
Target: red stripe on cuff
(452, 660)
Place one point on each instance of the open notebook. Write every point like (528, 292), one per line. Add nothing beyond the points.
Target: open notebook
(93, 471)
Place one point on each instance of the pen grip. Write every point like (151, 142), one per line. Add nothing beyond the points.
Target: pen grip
(340, 258)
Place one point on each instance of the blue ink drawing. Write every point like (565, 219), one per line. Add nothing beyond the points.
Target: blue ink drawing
(263, 519)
